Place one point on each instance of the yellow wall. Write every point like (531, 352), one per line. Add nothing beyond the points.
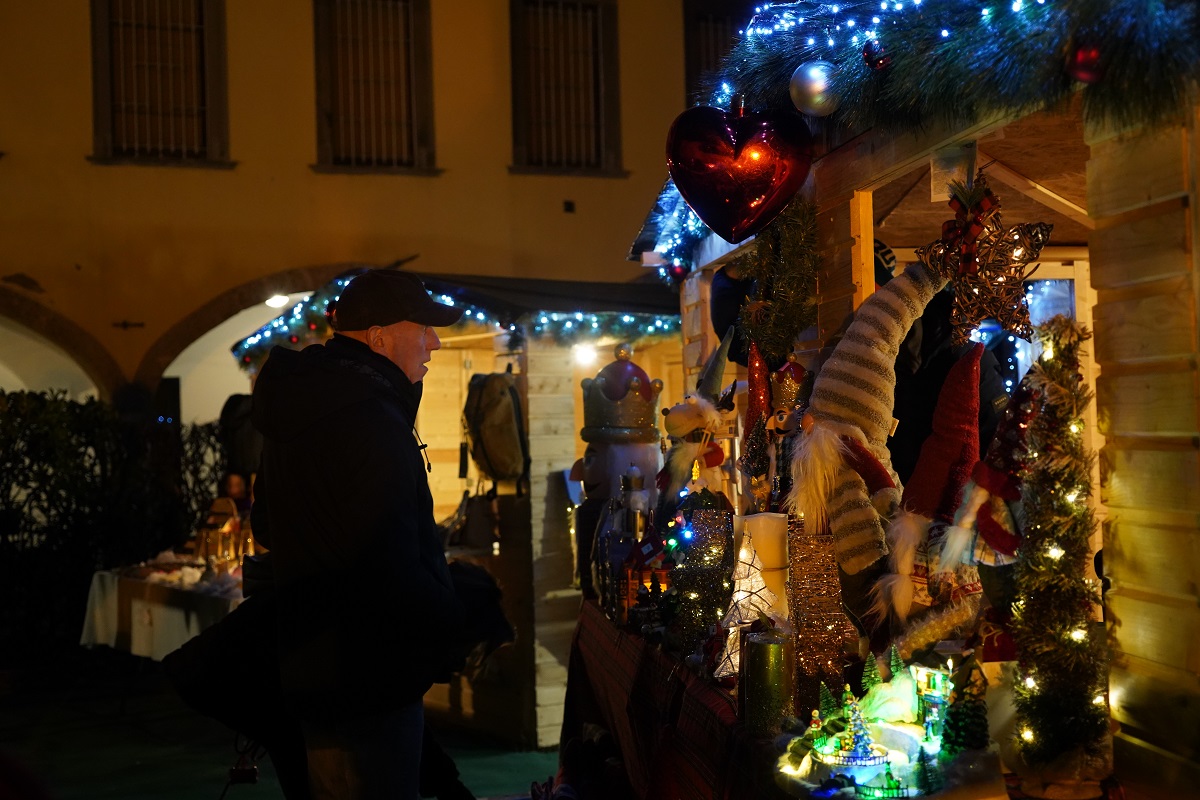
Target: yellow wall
(155, 244)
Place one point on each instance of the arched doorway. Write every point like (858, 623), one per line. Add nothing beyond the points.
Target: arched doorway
(31, 362)
(207, 371)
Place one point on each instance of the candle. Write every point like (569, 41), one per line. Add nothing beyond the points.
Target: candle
(769, 533)
(767, 665)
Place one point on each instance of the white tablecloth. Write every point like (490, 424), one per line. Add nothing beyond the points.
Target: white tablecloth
(151, 617)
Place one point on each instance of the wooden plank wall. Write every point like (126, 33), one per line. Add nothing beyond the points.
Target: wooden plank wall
(1142, 192)
(552, 391)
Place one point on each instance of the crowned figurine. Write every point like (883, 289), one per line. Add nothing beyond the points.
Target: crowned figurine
(620, 413)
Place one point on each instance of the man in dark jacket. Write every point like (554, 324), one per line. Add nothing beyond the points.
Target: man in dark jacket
(366, 607)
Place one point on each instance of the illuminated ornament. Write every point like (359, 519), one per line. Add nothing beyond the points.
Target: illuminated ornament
(677, 272)
(738, 170)
(1085, 63)
(875, 55)
(811, 89)
(987, 263)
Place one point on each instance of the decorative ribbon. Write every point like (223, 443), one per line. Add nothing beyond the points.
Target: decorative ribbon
(963, 231)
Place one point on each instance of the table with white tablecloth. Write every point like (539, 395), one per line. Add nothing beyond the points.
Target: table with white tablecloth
(150, 611)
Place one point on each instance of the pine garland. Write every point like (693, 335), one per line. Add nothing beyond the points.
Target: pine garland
(784, 266)
(1061, 649)
(992, 58)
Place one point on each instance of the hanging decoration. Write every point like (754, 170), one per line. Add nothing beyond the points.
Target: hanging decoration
(783, 266)
(738, 170)
(810, 89)
(1085, 63)
(1061, 694)
(987, 264)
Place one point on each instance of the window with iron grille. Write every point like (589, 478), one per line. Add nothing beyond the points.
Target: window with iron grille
(566, 107)
(374, 94)
(159, 81)
(710, 29)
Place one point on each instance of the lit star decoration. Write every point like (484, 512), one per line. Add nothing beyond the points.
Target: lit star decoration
(988, 264)
(308, 323)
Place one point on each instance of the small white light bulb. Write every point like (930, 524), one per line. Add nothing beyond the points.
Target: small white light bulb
(277, 300)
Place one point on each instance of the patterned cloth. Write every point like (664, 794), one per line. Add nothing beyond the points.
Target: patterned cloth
(678, 735)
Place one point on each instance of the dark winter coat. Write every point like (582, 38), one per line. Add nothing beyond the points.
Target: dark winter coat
(367, 608)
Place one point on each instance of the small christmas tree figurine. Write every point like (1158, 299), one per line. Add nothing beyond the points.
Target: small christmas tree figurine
(895, 662)
(966, 725)
(870, 677)
(858, 741)
(829, 706)
(929, 777)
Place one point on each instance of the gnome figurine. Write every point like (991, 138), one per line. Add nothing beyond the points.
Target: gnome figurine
(841, 471)
(695, 459)
(930, 499)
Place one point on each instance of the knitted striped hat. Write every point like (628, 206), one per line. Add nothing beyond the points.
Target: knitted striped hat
(853, 397)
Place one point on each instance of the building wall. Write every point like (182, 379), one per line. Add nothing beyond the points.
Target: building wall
(146, 245)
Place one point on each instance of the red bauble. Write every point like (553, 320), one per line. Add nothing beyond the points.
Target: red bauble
(875, 55)
(677, 272)
(1086, 64)
(738, 172)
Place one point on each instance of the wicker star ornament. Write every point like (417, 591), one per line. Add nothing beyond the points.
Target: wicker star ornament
(987, 263)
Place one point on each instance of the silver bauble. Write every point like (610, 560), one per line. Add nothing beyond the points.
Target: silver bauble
(811, 89)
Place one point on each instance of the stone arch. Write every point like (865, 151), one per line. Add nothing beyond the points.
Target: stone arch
(86, 350)
(222, 307)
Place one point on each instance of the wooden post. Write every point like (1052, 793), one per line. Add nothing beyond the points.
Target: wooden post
(1142, 193)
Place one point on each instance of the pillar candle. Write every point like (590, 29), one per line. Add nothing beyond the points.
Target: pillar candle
(769, 533)
(767, 669)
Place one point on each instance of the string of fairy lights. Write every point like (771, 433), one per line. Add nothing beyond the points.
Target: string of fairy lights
(307, 322)
(903, 65)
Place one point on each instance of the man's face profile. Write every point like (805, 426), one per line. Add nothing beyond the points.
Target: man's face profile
(406, 344)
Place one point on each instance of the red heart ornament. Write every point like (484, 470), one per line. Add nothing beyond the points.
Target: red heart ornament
(738, 171)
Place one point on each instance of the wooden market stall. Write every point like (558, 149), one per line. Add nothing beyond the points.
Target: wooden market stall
(1123, 202)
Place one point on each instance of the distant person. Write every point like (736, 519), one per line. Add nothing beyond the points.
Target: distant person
(235, 487)
(367, 612)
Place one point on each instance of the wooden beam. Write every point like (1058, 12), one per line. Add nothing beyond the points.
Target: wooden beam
(875, 158)
(1036, 191)
(862, 253)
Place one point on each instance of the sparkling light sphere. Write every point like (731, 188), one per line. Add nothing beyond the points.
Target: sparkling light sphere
(811, 89)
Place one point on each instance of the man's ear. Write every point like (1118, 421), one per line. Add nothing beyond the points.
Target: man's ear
(375, 338)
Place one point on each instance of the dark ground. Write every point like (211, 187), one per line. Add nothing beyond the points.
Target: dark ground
(102, 724)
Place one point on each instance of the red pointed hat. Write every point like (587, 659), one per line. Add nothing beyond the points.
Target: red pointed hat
(950, 452)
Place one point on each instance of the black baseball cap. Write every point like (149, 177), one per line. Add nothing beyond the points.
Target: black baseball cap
(386, 296)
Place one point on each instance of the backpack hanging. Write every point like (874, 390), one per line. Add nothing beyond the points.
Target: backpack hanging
(495, 430)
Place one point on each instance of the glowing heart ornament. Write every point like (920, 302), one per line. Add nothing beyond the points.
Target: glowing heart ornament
(738, 170)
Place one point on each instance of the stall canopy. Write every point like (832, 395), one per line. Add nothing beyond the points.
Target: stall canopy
(510, 298)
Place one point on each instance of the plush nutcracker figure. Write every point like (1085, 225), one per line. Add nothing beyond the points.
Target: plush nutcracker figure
(620, 408)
